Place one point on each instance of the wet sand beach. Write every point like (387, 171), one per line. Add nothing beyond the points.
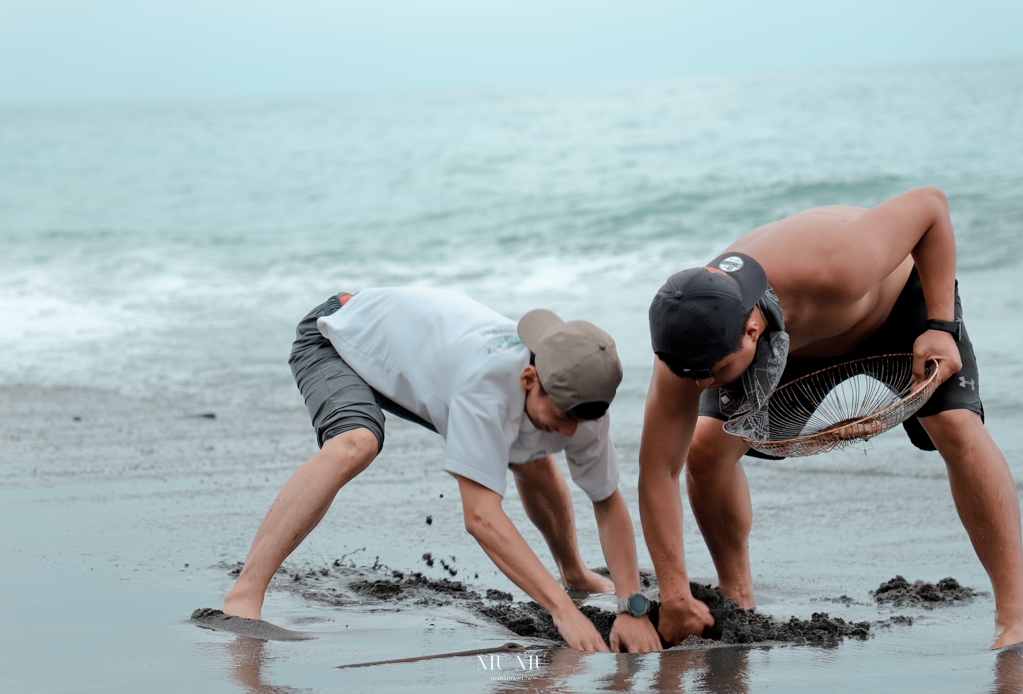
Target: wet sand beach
(154, 260)
(140, 513)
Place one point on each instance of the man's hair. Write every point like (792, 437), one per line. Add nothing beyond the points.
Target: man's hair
(677, 366)
(532, 362)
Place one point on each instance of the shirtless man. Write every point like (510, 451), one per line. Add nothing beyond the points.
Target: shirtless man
(819, 287)
(503, 397)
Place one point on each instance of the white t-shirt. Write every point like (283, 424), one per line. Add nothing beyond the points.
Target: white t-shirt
(457, 364)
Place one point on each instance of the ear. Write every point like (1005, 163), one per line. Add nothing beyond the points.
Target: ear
(529, 378)
(756, 325)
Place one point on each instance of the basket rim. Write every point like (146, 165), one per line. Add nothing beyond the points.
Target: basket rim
(804, 377)
(818, 435)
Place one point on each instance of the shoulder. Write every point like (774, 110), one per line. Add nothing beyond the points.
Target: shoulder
(841, 253)
(811, 254)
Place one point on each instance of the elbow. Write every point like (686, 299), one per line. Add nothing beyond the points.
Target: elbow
(478, 525)
(481, 510)
(651, 486)
(934, 198)
(606, 507)
(660, 472)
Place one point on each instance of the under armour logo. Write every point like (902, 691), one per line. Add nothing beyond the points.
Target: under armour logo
(963, 383)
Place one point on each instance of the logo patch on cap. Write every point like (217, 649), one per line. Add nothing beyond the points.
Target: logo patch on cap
(731, 264)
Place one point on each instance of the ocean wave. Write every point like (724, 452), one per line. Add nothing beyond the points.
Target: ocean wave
(188, 231)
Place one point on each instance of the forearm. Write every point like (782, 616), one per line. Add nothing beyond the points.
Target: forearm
(660, 512)
(618, 542)
(548, 504)
(501, 540)
(669, 422)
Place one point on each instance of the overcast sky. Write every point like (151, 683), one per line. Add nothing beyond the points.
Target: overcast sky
(100, 50)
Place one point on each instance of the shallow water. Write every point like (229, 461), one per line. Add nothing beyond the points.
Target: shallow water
(154, 260)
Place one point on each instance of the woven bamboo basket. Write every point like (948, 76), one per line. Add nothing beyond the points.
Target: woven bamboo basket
(842, 405)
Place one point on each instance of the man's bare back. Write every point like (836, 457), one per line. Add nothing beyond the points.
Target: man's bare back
(801, 254)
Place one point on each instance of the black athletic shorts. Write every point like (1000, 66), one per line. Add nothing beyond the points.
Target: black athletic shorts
(336, 396)
(906, 322)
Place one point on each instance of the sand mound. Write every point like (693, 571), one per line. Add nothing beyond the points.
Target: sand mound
(733, 625)
(898, 592)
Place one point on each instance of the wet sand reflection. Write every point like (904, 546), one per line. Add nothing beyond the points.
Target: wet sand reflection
(247, 657)
(714, 670)
(717, 670)
(1009, 671)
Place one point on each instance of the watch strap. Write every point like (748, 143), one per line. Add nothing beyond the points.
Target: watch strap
(949, 326)
(623, 605)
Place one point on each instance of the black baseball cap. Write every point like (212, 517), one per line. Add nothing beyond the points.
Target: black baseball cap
(696, 317)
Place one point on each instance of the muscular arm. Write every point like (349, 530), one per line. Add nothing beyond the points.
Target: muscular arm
(916, 223)
(486, 521)
(672, 407)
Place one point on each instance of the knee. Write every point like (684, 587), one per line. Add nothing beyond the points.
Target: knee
(712, 452)
(703, 461)
(353, 450)
(954, 432)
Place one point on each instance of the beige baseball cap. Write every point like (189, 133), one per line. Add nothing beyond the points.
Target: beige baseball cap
(576, 361)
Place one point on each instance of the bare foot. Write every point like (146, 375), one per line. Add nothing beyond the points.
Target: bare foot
(1007, 635)
(743, 595)
(587, 580)
(239, 607)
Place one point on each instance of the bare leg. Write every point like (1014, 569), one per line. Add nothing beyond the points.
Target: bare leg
(988, 504)
(298, 508)
(548, 504)
(719, 496)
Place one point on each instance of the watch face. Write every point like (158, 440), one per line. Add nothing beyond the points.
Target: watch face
(638, 604)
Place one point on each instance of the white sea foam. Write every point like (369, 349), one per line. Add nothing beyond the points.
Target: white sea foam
(194, 237)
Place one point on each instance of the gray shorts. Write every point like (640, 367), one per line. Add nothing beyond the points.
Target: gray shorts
(337, 397)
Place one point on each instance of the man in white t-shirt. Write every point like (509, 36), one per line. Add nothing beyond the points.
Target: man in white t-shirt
(502, 396)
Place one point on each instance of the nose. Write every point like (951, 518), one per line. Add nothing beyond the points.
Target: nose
(705, 382)
(568, 428)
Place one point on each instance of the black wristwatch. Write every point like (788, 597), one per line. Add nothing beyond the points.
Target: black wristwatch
(636, 604)
(949, 326)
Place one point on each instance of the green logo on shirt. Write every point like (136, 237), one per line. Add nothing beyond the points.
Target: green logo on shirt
(498, 339)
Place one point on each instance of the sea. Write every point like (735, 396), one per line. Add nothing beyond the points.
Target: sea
(159, 255)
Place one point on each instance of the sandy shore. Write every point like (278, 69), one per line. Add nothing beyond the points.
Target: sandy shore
(125, 514)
